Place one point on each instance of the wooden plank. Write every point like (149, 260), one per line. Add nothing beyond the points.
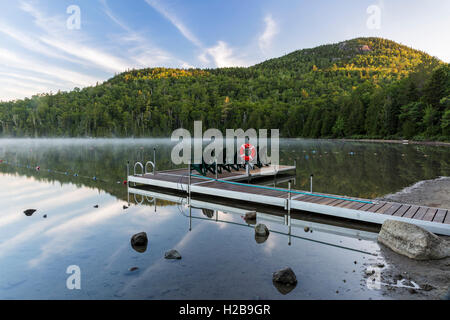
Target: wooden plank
(420, 213)
(385, 208)
(336, 202)
(400, 212)
(306, 199)
(447, 218)
(322, 200)
(328, 201)
(376, 207)
(429, 215)
(367, 207)
(393, 209)
(411, 212)
(345, 203)
(319, 200)
(440, 215)
(348, 204)
(357, 205)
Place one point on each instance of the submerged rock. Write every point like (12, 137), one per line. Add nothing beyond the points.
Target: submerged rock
(284, 280)
(283, 288)
(413, 241)
(251, 215)
(139, 242)
(172, 254)
(285, 276)
(261, 230)
(29, 212)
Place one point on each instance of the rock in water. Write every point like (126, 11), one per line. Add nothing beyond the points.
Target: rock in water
(29, 212)
(412, 241)
(139, 242)
(261, 230)
(285, 276)
(172, 254)
(250, 215)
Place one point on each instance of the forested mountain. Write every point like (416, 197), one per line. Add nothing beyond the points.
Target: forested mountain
(366, 87)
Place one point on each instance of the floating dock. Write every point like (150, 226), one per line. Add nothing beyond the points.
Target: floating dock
(235, 186)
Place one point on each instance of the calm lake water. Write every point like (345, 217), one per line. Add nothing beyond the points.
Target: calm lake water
(221, 258)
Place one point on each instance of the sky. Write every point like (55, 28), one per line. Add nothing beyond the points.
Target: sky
(51, 45)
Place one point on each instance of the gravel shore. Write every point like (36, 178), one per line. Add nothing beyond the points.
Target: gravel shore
(431, 193)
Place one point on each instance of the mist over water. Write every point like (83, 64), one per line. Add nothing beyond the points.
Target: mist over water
(355, 169)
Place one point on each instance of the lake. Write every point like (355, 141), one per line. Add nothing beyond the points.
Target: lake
(65, 178)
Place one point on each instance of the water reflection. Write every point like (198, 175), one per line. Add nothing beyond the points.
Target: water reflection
(221, 258)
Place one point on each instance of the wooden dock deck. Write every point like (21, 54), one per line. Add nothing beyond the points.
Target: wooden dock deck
(229, 185)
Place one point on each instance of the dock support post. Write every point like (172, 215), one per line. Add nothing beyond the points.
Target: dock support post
(289, 201)
(289, 212)
(217, 174)
(154, 161)
(190, 218)
(247, 169)
(128, 182)
(189, 184)
(295, 172)
(311, 183)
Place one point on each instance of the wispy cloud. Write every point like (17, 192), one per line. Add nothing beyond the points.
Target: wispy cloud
(56, 37)
(270, 31)
(94, 56)
(223, 56)
(175, 21)
(14, 60)
(31, 43)
(143, 52)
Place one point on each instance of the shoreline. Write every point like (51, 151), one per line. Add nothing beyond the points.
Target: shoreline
(391, 141)
(433, 193)
(426, 143)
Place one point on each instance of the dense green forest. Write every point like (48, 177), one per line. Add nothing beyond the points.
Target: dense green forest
(365, 87)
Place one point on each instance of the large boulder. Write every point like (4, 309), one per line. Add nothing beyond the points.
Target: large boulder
(139, 242)
(412, 241)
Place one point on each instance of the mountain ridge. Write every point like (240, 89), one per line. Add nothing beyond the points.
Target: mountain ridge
(348, 84)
